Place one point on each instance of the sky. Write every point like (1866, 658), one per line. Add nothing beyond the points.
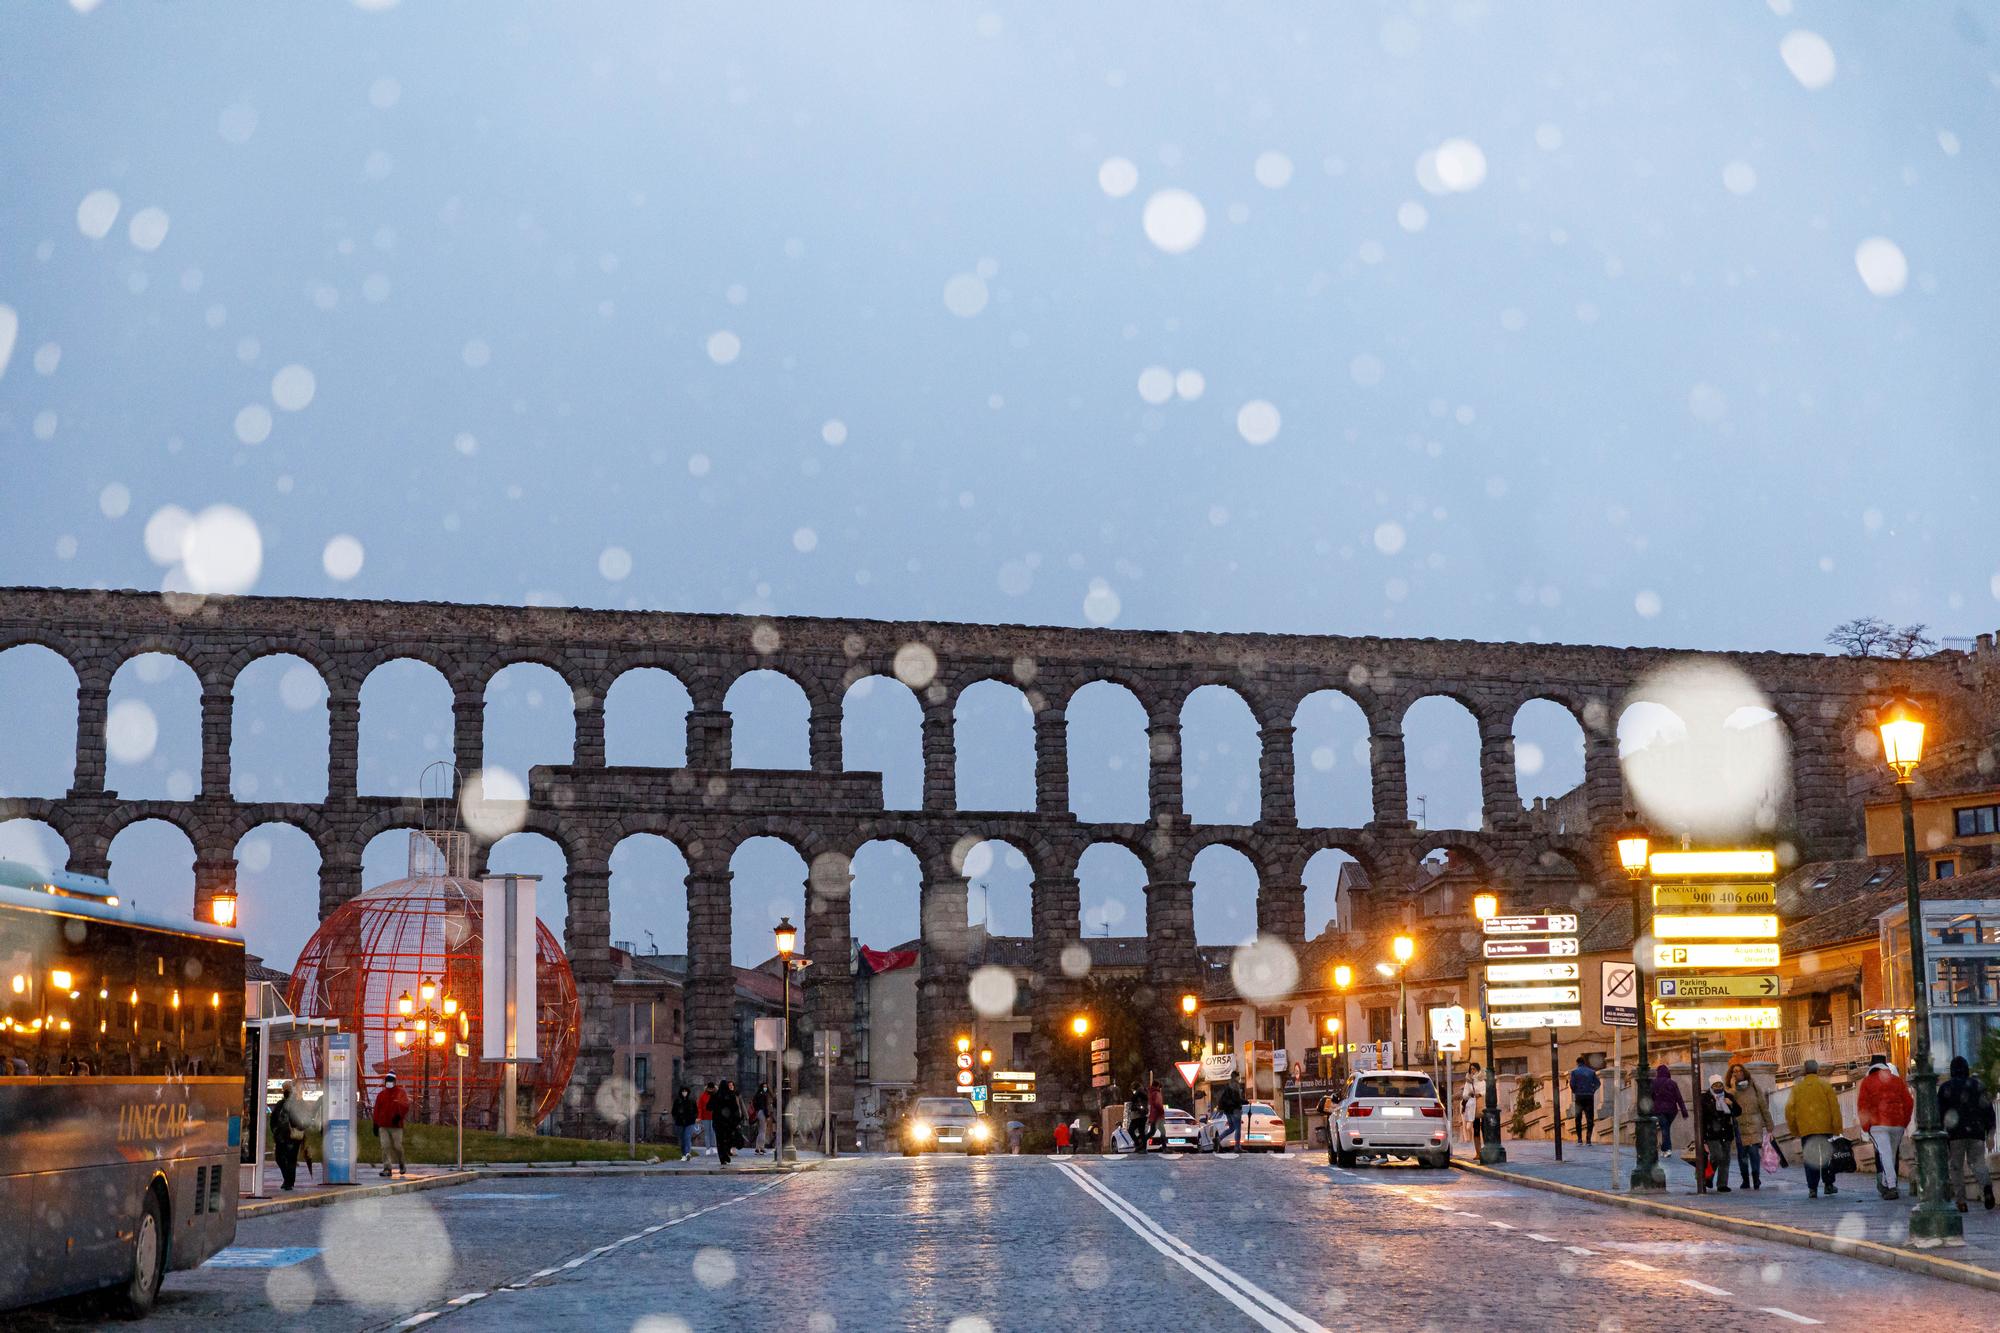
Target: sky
(1593, 323)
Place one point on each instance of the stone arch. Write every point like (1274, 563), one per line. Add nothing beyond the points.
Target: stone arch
(645, 718)
(993, 739)
(1000, 876)
(538, 851)
(280, 733)
(257, 650)
(767, 880)
(152, 865)
(1441, 739)
(1334, 786)
(648, 874)
(527, 718)
(886, 907)
(770, 720)
(1227, 880)
(1549, 739)
(1107, 753)
(1221, 752)
(153, 728)
(38, 715)
(1331, 906)
(882, 731)
(277, 885)
(1111, 882)
(37, 842)
(405, 723)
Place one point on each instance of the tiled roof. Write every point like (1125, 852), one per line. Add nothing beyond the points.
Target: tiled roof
(1853, 918)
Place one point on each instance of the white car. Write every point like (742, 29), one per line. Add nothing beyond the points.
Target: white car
(1390, 1113)
(1263, 1130)
(940, 1123)
(1183, 1134)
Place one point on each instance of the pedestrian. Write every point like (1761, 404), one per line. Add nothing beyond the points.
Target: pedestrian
(760, 1118)
(1229, 1101)
(288, 1133)
(1469, 1096)
(1015, 1131)
(1753, 1126)
(1076, 1134)
(684, 1121)
(1583, 1086)
(1883, 1106)
(1135, 1118)
(1062, 1137)
(1719, 1112)
(392, 1108)
(1812, 1114)
(1668, 1104)
(704, 1117)
(725, 1115)
(1966, 1111)
(1156, 1112)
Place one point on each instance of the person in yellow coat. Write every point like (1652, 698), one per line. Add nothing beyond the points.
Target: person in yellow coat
(1813, 1113)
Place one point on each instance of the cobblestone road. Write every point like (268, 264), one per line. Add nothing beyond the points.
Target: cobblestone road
(1028, 1244)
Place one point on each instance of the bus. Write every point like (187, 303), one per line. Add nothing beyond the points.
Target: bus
(121, 1090)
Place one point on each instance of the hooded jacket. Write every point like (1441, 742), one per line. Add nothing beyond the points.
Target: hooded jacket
(1754, 1121)
(1963, 1106)
(1813, 1108)
(1884, 1100)
(1667, 1099)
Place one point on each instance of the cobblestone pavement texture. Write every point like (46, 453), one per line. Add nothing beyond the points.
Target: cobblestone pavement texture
(1026, 1243)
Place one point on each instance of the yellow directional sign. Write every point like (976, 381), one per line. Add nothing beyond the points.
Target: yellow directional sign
(1536, 995)
(1496, 972)
(1714, 897)
(1759, 927)
(1700, 865)
(1750, 986)
(1723, 1018)
(1715, 955)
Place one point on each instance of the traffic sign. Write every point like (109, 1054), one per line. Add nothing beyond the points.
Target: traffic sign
(1556, 946)
(965, 1078)
(1618, 994)
(1190, 1071)
(978, 1095)
(965, 1062)
(1519, 1020)
(1758, 926)
(1014, 1085)
(1533, 972)
(1730, 864)
(1715, 955)
(1725, 1018)
(1751, 986)
(1555, 923)
(1715, 897)
(1535, 995)
(1448, 1025)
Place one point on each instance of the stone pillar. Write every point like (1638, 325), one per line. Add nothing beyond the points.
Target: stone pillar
(216, 716)
(829, 987)
(1603, 782)
(943, 1007)
(1051, 764)
(1277, 776)
(213, 873)
(343, 742)
(587, 942)
(940, 757)
(708, 743)
(588, 707)
(823, 737)
(92, 707)
(1057, 910)
(339, 879)
(1499, 787)
(1388, 777)
(1171, 960)
(1281, 911)
(1163, 772)
(710, 997)
(90, 854)
(468, 732)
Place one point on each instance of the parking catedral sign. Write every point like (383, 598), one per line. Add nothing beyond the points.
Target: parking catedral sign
(1521, 996)
(1715, 933)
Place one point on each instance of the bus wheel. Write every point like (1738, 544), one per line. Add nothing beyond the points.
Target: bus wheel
(149, 1260)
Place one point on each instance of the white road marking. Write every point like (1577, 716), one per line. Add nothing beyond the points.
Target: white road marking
(467, 1299)
(1265, 1309)
(1546, 1240)
(416, 1319)
(1463, 1213)
(1703, 1286)
(1504, 1226)
(1634, 1263)
(1787, 1314)
(1579, 1249)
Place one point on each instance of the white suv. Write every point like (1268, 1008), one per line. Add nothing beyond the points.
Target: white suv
(1389, 1113)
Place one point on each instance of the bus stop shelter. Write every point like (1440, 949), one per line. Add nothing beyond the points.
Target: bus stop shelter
(272, 1025)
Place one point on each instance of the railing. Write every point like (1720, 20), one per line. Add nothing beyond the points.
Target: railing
(1790, 1049)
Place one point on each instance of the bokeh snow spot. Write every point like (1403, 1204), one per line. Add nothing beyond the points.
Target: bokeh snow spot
(1100, 603)
(614, 563)
(1809, 58)
(714, 1267)
(1273, 169)
(992, 989)
(965, 294)
(724, 347)
(253, 424)
(292, 388)
(1175, 221)
(131, 731)
(1883, 269)
(342, 557)
(1117, 177)
(95, 214)
(1257, 421)
(1264, 969)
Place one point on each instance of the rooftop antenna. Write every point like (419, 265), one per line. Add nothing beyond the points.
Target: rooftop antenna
(652, 945)
(440, 848)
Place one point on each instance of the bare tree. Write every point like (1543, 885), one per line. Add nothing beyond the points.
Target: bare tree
(1872, 636)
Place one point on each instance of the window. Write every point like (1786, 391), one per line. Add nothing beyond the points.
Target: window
(1020, 1052)
(1222, 1037)
(1944, 869)
(1274, 1032)
(642, 1074)
(1825, 878)
(1395, 1085)
(1819, 1010)
(1380, 1026)
(1510, 1066)
(1977, 821)
(1881, 873)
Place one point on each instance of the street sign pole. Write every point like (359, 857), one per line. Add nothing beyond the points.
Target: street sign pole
(1617, 1066)
(1556, 1090)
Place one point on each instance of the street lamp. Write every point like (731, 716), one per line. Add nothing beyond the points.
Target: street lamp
(786, 936)
(222, 908)
(1931, 1222)
(1080, 1025)
(1343, 977)
(1484, 907)
(1634, 853)
(424, 1026)
(1405, 949)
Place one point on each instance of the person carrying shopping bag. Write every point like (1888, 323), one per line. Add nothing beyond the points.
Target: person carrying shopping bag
(1753, 1127)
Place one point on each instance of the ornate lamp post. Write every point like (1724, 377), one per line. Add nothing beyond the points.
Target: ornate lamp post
(222, 908)
(786, 936)
(424, 1025)
(1634, 851)
(1484, 905)
(1405, 949)
(1931, 1221)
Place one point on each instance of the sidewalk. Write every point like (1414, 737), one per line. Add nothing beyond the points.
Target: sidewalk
(312, 1191)
(1854, 1222)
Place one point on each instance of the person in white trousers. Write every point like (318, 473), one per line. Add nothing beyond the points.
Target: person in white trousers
(1883, 1106)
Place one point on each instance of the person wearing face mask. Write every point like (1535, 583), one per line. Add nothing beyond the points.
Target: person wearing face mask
(1716, 1117)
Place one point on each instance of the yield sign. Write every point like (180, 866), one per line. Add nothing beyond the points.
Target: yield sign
(1190, 1070)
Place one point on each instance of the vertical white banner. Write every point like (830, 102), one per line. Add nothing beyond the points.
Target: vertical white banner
(504, 953)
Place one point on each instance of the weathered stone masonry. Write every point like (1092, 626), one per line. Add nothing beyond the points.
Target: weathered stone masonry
(709, 808)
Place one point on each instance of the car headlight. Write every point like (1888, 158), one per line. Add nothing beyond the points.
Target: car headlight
(980, 1131)
(919, 1130)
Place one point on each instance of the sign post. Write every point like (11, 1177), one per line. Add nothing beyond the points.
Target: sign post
(1618, 1002)
(338, 1147)
(1532, 983)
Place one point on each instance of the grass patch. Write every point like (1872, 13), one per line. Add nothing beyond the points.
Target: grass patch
(437, 1145)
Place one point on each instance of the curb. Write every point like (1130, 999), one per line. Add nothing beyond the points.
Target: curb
(528, 1171)
(1874, 1251)
(248, 1208)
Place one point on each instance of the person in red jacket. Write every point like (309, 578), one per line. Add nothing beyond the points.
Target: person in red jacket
(704, 1115)
(1883, 1106)
(392, 1108)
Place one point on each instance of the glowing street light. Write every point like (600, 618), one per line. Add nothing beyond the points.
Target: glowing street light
(222, 908)
(1080, 1025)
(1485, 906)
(1635, 847)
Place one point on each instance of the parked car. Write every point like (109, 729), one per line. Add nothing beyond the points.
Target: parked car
(1183, 1132)
(945, 1122)
(1390, 1113)
(1263, 1130)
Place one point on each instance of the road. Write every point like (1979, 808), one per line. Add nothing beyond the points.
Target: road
(1027, 1244)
